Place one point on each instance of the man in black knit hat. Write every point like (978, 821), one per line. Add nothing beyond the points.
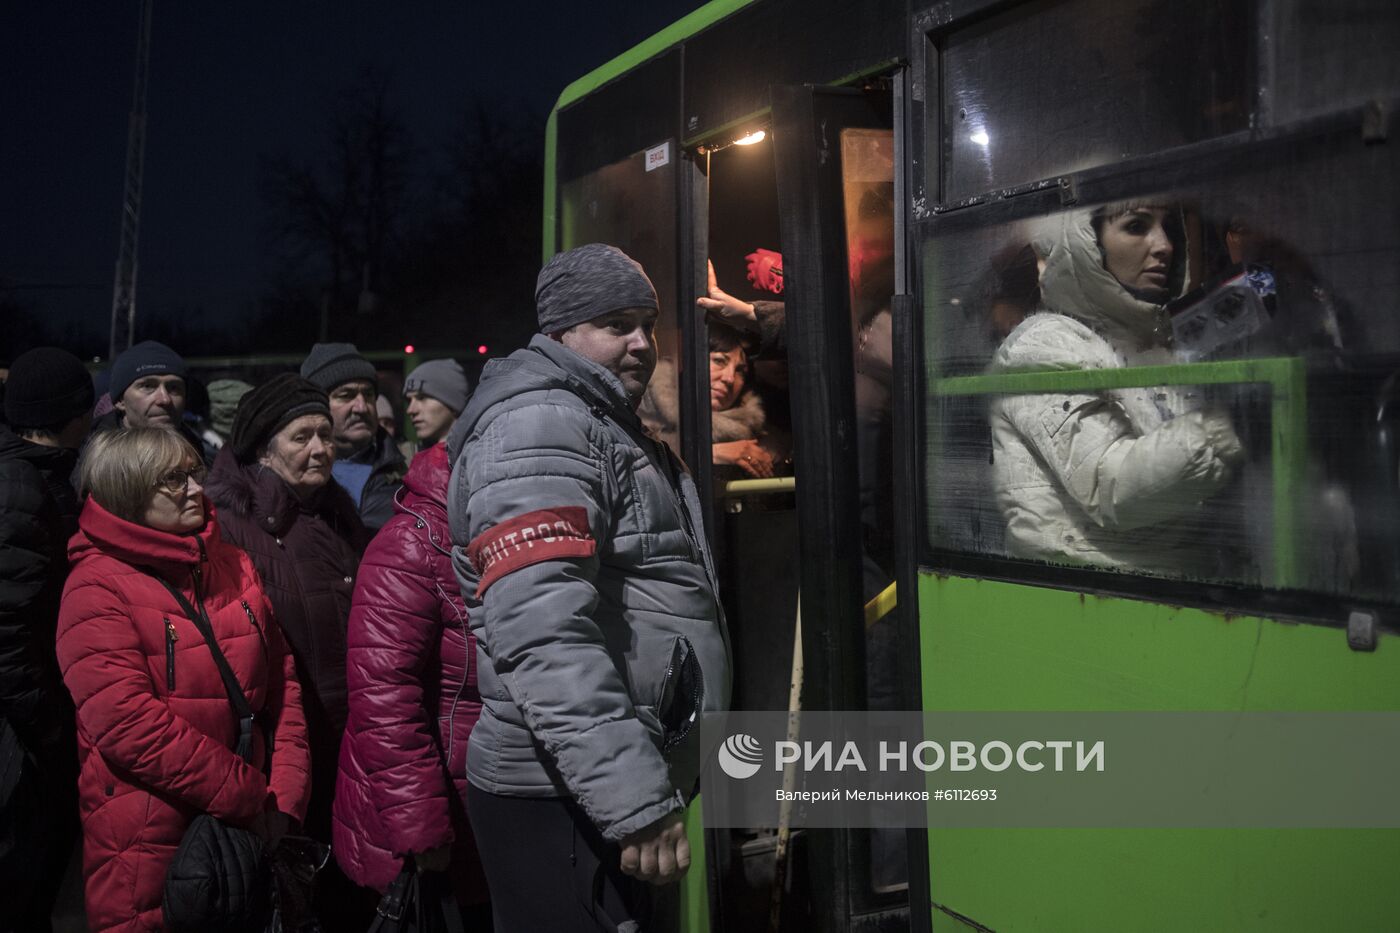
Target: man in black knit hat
(367, 461)
(148, 391)
(48, 409)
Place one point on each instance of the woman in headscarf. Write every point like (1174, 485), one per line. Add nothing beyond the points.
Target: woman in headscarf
(1114, 478)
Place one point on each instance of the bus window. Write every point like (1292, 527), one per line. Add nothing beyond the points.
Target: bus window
(745, 252)
(1187, 384)
(1334, 54)
(633, 208)
(867, 174)
(1016, 104)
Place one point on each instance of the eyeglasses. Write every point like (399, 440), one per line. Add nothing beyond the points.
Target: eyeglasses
(177, 481)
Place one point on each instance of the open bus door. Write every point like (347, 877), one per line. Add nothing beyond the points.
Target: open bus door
(834, 166)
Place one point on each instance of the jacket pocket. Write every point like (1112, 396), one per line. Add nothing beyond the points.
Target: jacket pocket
(170, 639)
(682, 695)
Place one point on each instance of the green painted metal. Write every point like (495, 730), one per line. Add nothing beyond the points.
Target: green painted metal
(1286, 378)
(988, 645)
(1274, 371)
(681, 29)
(694, 888)
(551, 184)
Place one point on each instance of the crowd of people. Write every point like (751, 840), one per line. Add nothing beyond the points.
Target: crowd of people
(482, 665)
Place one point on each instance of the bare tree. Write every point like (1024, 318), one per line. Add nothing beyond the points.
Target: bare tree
(338, 223)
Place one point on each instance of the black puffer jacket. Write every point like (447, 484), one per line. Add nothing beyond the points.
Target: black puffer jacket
(38, 754)
(38, 514)
(307, 555)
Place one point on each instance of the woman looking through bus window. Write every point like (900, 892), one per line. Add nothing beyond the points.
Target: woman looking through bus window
(1113, 478)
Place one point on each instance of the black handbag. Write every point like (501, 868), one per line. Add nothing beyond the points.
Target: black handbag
(220, 880)
(418, 902)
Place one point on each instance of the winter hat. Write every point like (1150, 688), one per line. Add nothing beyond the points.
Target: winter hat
(589, 281)
(271, 406)
(331, 364)
(47, 388)
(444, 380)
(224, 395)
(147, 358)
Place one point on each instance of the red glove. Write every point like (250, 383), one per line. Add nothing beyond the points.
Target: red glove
(766, 270)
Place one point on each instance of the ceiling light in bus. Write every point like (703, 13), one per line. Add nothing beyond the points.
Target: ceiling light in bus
(757, 136)
(980, 138)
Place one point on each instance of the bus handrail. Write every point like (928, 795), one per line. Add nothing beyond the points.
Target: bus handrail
(881, 605)
(1287, 381)
(747, 487)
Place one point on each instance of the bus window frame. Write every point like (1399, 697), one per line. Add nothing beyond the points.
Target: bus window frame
(1173, 169)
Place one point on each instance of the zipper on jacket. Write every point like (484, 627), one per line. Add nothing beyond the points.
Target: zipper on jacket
(262, 636)
(461, 684)
(252, 619)
(170, 639)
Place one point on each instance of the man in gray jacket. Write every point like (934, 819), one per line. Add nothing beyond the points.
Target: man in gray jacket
(580, 549)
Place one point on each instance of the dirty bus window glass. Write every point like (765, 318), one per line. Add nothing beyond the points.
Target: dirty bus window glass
(867, 175)
(1198, 384)
(750, 419)
(1059, 86)
(634, 209)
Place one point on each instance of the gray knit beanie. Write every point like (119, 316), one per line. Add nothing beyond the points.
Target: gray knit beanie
(589, 281)
(444, 380)
(331, 364)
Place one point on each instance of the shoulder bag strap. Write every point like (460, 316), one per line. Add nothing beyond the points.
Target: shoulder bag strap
(232, 687)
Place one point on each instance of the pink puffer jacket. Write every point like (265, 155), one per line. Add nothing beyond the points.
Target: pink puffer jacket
(411, 677)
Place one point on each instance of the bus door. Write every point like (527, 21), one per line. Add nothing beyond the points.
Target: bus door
(834, 152)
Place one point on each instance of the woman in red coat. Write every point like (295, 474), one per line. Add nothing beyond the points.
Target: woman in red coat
(411, 675)
(156, 735)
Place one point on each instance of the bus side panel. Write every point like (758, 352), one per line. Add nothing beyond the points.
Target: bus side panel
(1150, 881)
(694, 887)
(999, 646)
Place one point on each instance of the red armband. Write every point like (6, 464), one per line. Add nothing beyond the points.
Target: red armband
(545, 534)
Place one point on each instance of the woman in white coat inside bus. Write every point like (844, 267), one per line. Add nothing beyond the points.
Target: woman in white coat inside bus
(1115, 478)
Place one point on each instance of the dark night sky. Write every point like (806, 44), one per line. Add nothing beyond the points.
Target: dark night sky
(228, 82)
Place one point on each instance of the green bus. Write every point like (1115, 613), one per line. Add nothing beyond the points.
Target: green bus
(1008, 496)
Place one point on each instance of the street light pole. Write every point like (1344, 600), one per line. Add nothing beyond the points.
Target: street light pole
(124, 288)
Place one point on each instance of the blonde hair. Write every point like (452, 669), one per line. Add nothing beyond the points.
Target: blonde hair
(120, 468)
